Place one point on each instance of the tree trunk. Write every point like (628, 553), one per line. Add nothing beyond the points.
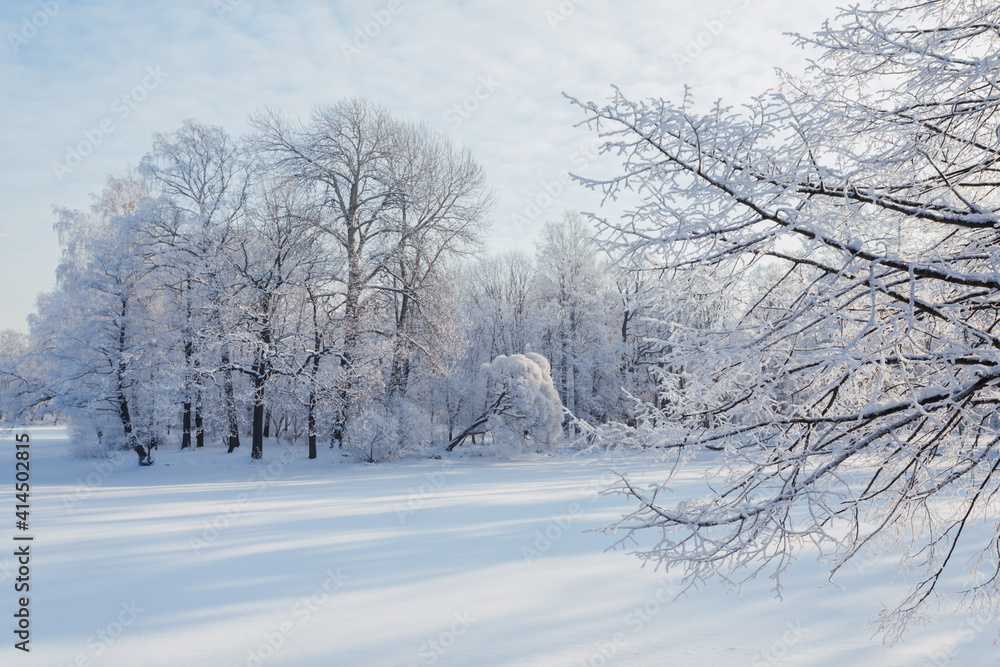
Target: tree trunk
(199, 421)
(311, 424)
(126, 419)
(399, 375)
(344, 394)
(228, 398)
(352, 302)
(232, 421)
(188, 354)
(257, 433)
(313, 374)
(186, 426)
(124, 414)
(261, 372)
(473, 429)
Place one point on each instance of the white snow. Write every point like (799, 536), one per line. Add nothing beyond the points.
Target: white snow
(530, 407)
(428, 562)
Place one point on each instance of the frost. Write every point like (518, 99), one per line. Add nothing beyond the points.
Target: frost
(528, 407)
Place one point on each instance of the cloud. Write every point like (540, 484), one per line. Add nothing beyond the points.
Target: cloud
(226, 60)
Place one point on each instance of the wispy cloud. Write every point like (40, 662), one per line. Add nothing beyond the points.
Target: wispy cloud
(423, 59)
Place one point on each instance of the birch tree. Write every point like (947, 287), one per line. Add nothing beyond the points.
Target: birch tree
(91, 333)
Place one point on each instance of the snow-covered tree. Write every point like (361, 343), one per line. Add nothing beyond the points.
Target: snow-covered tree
(575, 312)
(17, 391)
(273, 248)
(501, 300)
(438, 218)
(92, 334)
(868, 191)
(522, 404)
(316, 331)
(203, 178)
(394, 201)
(643, 327)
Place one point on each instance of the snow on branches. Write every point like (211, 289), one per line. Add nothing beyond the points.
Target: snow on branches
(850, 380)
(528, 407)
(522, 403)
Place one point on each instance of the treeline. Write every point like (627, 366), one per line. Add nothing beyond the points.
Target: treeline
(320, 281)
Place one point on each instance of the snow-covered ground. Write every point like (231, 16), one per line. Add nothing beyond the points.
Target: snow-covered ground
(208, 559)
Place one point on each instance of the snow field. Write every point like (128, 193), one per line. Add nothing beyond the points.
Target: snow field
(208, 559)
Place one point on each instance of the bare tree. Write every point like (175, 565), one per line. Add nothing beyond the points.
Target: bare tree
(502, 304)
(342, 154)
(439, 216)
(393, 199)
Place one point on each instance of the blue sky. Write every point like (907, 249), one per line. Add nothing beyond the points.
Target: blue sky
(110, 74)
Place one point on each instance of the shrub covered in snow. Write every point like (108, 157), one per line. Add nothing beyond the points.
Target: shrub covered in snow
(525, 405)
(387, 430)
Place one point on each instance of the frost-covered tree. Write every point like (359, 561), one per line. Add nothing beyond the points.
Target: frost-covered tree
(438, 218)
(273, 248)
(203, 178)
(501, 302)
(18, 391)
(316, 331)
(393, 200)
(522, 404)
(494, 312)
(92, 334)
(868, 191)
(293, 281)
(575, 312)
(642, 329)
